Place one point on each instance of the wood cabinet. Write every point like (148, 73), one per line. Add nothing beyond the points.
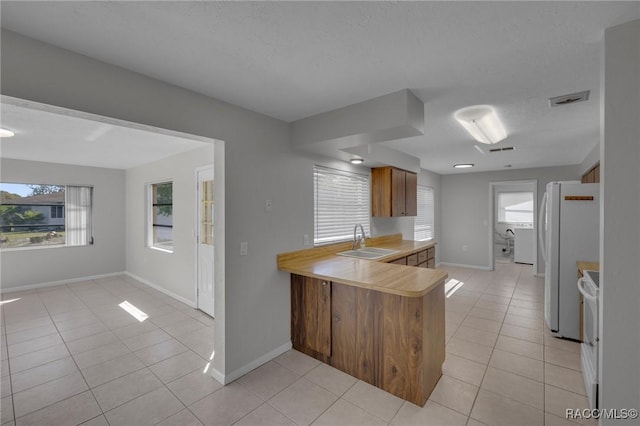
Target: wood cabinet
(394, 342)
(422, 259)
(311, 315)
(593, 175)
(394, 192)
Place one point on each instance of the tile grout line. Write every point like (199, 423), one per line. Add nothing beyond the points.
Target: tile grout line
(64, 399)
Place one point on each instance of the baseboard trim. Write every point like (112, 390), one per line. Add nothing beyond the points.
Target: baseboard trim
(59, 282)
(237, 373)
(162, 289)
(462, 265)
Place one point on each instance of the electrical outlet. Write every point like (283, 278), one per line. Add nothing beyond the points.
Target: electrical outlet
(465, 248)
(244, 248)
(305, 240)
(267, 205)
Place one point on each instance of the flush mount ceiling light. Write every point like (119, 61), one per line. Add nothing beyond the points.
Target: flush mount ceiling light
(6, 133)
(482, 122)
(463, 166)
(356, 161)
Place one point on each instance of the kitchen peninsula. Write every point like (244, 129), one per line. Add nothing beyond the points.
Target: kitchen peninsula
(381, 320)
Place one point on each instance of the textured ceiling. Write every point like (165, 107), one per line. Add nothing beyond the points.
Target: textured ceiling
(291, 60)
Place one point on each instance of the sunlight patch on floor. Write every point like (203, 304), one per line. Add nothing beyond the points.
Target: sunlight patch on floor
(206, 367)
(452, 286)
(133, 311)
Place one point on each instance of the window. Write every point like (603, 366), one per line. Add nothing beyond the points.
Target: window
(423, 224)
(341, 201)
(33, 215)
(515, 208)
(57, 212)
(161, 216)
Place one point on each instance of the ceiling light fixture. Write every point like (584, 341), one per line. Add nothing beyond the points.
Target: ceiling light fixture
(6, 133)
(356, 161)
(463, 166)
(482, 122)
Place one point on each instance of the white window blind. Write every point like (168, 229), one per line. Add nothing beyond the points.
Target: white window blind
(515, 207)
(341, 201)
(78, 221)
(423, 224)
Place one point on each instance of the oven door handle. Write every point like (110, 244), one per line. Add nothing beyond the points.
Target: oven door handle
(585, 293)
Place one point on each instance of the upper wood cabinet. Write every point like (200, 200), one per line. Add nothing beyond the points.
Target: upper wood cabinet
(394, 192)
(593, 175)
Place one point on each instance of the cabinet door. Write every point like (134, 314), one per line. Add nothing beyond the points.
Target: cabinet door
(398, 182)
(317, 301)
(311, 314)
(411, 194)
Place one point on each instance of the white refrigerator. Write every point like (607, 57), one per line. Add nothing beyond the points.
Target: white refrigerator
(569, 231)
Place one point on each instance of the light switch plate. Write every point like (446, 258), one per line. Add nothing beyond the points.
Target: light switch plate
(244, 248)
(305, 240)
(268, 204)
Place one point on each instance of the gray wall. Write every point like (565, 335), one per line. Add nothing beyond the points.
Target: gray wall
(23, 268)
(174, 272)
(253, 317)
(620, 221)
(259, 165)
(465, 209)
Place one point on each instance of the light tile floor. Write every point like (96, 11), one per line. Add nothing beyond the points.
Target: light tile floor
(71, 355)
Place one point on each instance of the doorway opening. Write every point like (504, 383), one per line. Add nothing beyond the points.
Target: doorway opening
(513, 222)
(66, 146)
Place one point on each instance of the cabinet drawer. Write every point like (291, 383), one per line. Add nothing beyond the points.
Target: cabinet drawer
(431, 253)
(423, 264)
(431, 263)
(412, 259)
(401, 261)
(422, 256)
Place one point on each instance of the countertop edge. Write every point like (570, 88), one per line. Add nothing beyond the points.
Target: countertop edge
(304, 268)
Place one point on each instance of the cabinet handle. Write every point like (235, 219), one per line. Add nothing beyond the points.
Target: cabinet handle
(324, 283)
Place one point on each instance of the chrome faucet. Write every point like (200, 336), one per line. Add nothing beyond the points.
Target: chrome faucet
(358, 241)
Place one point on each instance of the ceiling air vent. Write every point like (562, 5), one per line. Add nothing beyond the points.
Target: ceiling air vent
(569, 99)
(506, 148)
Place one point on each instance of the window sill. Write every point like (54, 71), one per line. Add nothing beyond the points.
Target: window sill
(56, 246)
(164, 250)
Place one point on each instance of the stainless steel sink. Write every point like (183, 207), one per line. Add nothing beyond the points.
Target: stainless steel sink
(370, 253)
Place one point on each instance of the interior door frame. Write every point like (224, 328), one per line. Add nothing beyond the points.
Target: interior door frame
(196, 234)
(492, 212)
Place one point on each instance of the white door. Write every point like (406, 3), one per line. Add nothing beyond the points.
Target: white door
(205, 240)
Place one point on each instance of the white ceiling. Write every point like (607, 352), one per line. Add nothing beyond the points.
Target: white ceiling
(291, 60)
(60, 138)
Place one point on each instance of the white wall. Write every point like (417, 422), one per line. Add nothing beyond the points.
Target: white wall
(465, 211)
(620, 221)
(23, 268)
(175, 272)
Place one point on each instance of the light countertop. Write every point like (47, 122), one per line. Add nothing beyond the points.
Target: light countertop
(323, 263)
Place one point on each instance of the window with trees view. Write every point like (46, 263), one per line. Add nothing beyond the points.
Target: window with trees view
(37, 215)
(160, 230)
